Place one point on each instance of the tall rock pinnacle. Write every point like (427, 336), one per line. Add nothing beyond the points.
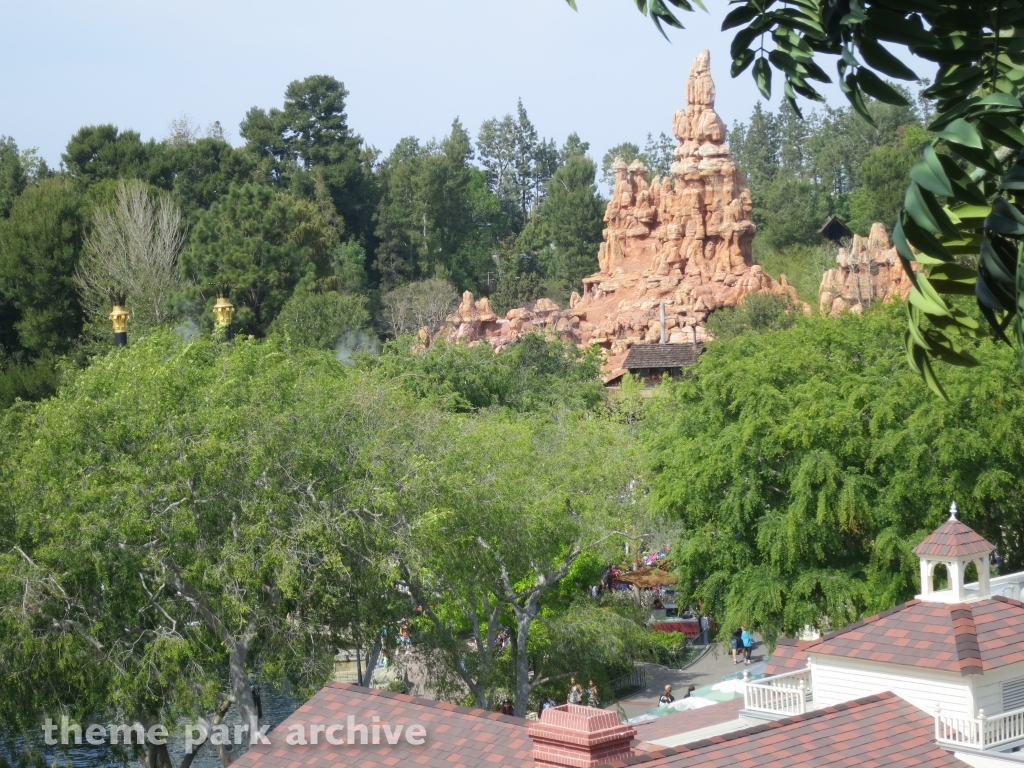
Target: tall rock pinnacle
(683, 241)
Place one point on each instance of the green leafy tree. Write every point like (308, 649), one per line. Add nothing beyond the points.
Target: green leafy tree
(803, 465)
(102, 152)
(192, 561)
(517, 162)
(882, 180)
(13, 178)
(319, 320)
(790, 211)
(40, 245)
(572, 219)
(204, 170)
(311, 132)
(257, 243)
(759, 312)
(437, 217)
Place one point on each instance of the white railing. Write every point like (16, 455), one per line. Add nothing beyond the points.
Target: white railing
(783, 694)
(980, 732)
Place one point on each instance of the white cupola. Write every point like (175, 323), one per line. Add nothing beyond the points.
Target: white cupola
(954, 545)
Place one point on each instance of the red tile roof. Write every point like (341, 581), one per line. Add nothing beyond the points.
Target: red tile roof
(953, 539)
(789, 656)
(690, 720)
(966, 638)
(456, 737)
(872, 732)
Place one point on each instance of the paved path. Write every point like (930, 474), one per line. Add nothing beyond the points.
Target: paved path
(712, 667)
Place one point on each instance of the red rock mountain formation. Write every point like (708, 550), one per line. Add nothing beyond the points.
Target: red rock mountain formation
(866, 272)
(682, 241)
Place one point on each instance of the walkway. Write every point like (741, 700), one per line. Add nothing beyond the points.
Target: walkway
(712, 667)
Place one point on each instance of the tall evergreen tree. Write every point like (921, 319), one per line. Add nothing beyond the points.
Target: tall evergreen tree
(258, 243)
(571, 218)
(40, 244)
(13, 178)
(99, 152)
(312, 132)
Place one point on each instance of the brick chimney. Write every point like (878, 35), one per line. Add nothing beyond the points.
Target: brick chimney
(571, 736)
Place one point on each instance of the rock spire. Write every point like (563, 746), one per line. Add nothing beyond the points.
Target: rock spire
(683, 241)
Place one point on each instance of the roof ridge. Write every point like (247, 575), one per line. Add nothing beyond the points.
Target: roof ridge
(965, 635)
(444, 705)
(695, 746)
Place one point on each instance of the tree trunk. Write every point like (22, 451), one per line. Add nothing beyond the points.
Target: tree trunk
(242, 693)
(524, 618)
(371, 661)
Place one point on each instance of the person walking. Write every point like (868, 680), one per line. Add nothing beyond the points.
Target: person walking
(705, 628)
(666, 696)
(736, 644)
(593, 697)
(747, 641)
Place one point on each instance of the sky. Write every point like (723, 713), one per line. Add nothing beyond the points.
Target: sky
(410, 66)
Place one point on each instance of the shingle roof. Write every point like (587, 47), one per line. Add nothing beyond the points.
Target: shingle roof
(953, 539)
(690, 720)
(789, 656)
(662, 355)
(871, 732)
(966, 638)
(456, 737)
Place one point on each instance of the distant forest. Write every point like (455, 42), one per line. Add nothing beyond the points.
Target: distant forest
(316, 233)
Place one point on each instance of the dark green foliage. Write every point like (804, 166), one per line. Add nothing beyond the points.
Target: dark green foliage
(99, 152)
(258, 243)
(882, 179)
(759, 312)
(40, 243)
(13, 178)
(437, 216)
(790, 212)
(533, 374)
(571, 221)
(31, 380)
(803, 465)
(203, 172)
(516, 291)
(311, 133)
(319, 320)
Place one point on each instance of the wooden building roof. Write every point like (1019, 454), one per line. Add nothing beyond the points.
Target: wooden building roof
(662, 356)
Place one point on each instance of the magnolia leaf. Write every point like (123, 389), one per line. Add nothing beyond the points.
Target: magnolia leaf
(877, 88)
(952, 278)
(1005, 219)
(738, 16)
(962, 133)
(879, 58)
(926, 212)
(930, 174)
(763, 77)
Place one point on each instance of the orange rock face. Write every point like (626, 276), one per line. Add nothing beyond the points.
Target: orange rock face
(869, 271)
(682, 241)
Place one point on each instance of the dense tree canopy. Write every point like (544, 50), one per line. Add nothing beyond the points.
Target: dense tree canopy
(803, 464)
(258, 244)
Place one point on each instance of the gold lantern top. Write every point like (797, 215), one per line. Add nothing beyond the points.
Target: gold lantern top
(223, 310)
(119, 318)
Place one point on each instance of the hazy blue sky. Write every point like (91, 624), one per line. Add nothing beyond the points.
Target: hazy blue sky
(410, 66)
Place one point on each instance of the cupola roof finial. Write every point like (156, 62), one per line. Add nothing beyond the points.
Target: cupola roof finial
(952, 511)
